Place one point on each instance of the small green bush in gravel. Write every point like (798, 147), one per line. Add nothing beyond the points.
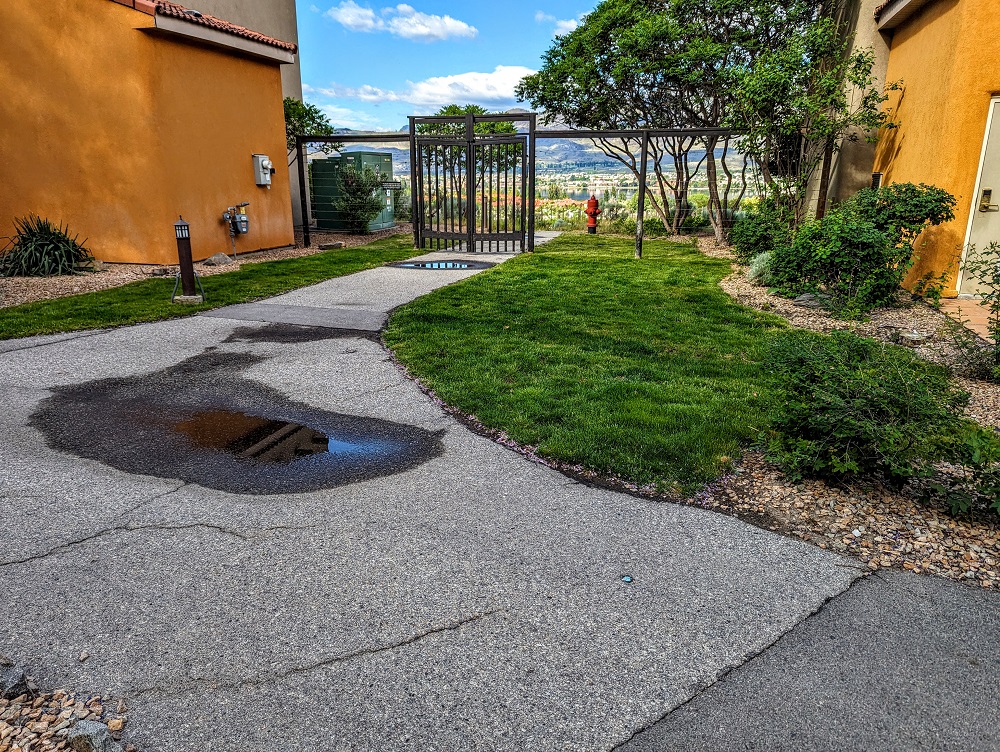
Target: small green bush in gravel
(42, 249)
(760, 230)
(844, 256)
(861, 251)
(855, 408)
(759, 269)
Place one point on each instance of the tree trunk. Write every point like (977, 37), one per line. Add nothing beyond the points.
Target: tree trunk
(824, 181)
(714, 206)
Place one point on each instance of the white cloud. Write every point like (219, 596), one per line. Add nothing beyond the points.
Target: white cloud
(561, 26)
(493, 89)
(401, 20)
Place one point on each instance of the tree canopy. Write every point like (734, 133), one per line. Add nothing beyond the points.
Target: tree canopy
(774, 72)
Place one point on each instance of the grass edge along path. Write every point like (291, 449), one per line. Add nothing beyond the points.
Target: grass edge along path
(149, 300)
(642, 370)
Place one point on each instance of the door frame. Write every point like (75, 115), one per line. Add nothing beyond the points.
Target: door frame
(994, 103)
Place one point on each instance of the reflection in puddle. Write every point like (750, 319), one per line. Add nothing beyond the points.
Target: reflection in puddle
(251, 437)
(201, 422)
(450, 265)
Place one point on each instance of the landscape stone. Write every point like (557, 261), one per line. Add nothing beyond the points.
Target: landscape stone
(913, 338)
(13, 682)
(811, 300)
(219, 259)
(91, 736)
(332, 246)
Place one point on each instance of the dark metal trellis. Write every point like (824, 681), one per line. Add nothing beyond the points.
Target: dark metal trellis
(473, 190)
(476, 191)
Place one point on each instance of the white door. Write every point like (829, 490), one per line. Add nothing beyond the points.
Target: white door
(984, 225)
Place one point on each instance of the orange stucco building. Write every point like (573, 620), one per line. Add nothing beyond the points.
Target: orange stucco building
(119, 115)
(941, 53)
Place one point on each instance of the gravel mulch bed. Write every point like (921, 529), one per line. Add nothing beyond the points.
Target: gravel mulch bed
(18, 290)
(41, 721)
(881, 527)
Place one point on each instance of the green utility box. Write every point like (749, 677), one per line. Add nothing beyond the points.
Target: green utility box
(325, 188)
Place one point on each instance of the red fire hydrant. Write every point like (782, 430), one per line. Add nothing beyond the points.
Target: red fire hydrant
(592, 211)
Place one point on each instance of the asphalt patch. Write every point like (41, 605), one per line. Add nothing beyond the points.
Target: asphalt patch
(201, 422)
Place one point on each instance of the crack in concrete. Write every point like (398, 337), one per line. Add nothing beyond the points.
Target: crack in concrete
(158, 497)
(63, 547)
(726, 670)
(276, 677)
(81, 335)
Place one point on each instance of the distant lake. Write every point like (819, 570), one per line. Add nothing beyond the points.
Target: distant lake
(584, 195)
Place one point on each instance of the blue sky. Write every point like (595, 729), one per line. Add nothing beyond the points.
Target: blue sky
(370, 64)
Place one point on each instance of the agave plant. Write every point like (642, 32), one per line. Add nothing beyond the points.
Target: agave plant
(42, 249)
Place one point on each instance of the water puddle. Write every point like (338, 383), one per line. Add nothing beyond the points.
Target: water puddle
(202, 422)
(449, 265)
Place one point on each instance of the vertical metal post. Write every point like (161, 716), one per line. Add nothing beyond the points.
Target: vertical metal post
(532, 140)
(184, 259)
(470, 182)
(414, 204)
(300, 154)
(641, 209)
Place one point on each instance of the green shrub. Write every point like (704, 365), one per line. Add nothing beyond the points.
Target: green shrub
(759, 230)
(862, 250)
(855, 408)
(846, 257)
(980, 356)
(759, 269)
(902, 210)
(360, 199)
(41, 249)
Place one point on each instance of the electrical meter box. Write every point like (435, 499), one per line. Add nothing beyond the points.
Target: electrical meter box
(325, 188)
(263, 169)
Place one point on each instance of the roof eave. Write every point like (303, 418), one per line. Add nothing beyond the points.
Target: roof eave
(894, 13)
(220, 39)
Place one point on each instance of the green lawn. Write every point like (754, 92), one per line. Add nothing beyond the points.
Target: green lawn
(149, 300)
(643, 369)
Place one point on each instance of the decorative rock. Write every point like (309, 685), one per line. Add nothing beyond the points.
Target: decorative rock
(332, 246)
(163, 271)
(809, 300)
(189, 299)
(913, 337)
(93, 266)
(13, 682)
(90, 736)
(219, 259)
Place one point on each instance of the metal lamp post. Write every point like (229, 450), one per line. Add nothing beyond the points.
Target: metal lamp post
(182, 230)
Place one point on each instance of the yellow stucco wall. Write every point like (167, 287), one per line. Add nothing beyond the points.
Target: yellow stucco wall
(945, 57)
(115, 131)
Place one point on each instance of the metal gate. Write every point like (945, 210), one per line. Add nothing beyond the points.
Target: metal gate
(473, 185)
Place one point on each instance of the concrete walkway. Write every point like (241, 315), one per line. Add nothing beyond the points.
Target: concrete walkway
(472, 601)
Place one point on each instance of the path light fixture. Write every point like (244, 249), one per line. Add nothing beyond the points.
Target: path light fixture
(187, 276)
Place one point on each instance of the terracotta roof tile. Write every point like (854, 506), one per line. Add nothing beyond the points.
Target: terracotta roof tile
(174, 10)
